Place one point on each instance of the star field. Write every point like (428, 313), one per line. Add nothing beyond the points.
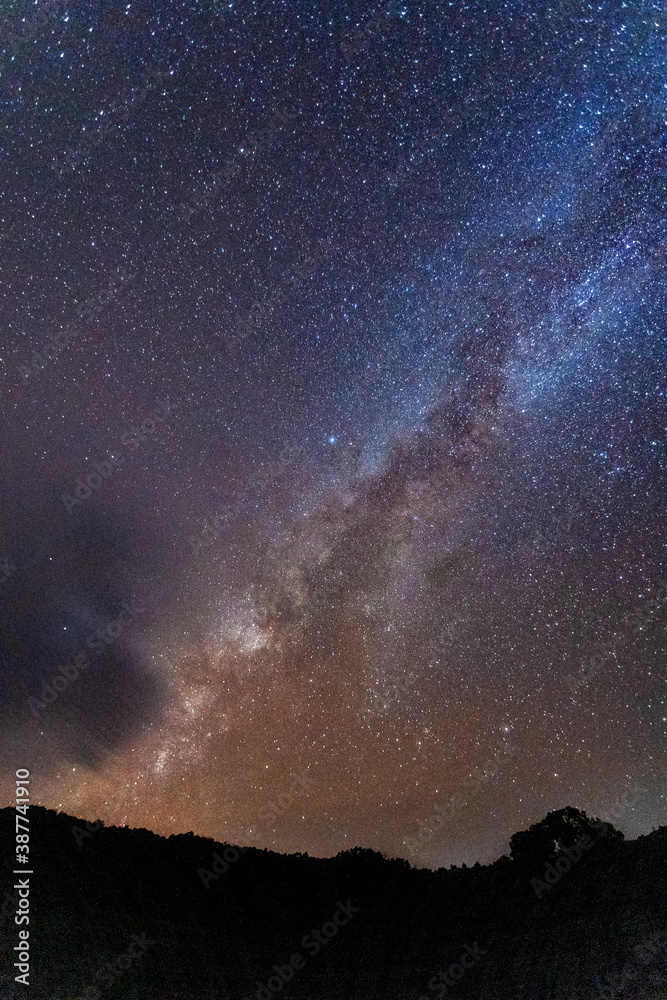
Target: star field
(333, 389)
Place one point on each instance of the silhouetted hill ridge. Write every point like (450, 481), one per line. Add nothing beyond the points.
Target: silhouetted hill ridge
(570, 904)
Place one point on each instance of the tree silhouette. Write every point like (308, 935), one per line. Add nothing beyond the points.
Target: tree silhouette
(560, 829)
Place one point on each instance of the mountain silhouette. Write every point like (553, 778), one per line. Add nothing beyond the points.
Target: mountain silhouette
(574, 911)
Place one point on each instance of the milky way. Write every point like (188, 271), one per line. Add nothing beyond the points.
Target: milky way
(333, 389)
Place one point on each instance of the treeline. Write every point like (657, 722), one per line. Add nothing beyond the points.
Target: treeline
(573, 911)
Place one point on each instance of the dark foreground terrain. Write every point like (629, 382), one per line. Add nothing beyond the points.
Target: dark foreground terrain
(575, 912)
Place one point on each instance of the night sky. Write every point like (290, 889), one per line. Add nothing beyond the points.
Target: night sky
(333, 380)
